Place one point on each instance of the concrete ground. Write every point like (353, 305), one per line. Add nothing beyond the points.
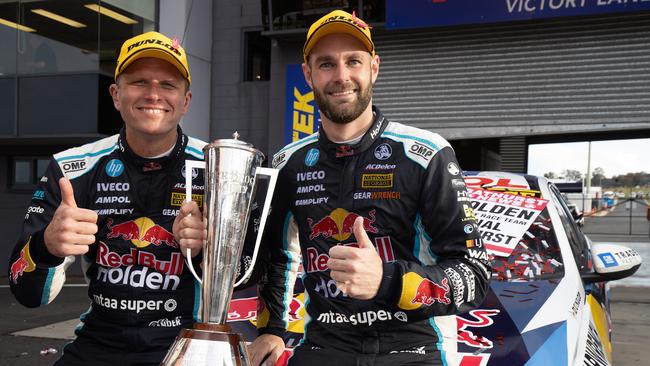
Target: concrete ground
(631, 324)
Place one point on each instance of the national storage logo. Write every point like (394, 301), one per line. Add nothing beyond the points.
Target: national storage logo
(377, 180)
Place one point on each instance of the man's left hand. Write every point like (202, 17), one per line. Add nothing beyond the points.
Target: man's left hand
(357, 271)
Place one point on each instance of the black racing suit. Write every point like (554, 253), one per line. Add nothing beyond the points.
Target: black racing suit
(140, 287)
(407, 185)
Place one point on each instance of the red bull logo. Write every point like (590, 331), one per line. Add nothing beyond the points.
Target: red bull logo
(339, 225)
(23, 264)
(242, 309)
(429, 292)
(295, 317)
(418, 291)
(141, 232)
(482, 318)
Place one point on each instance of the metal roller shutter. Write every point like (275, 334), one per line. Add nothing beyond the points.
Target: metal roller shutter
(523, 78)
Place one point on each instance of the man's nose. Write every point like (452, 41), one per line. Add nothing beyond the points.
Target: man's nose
(342, 73)
(153, 91)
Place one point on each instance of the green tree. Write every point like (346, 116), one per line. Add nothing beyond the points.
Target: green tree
(571, 174)
(550, 175)
(597, 176)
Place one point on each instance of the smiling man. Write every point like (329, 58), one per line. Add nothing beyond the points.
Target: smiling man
(117, 203)
(390, 246)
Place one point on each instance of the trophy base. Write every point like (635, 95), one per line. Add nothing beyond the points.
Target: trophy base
(207, 344)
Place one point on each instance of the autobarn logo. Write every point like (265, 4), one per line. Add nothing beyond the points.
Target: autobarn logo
(73, 166)
(421, 150)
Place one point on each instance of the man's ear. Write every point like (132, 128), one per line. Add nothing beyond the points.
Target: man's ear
(306, 71)
(188, 99)
(113, 90)
(374, 66)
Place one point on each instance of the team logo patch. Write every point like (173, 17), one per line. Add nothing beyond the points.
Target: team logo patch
(141, 232)
(23, 264)
(453, 168)
(114, 168)
(383, 151)
(377, 180)
(312, 157)
(418, 291)
(338, 225)
(195, 172)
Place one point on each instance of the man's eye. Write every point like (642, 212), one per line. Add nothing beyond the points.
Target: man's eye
(326, 65)
(138, 82)
(168, 86)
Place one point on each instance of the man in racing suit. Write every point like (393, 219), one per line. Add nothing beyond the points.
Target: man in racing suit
(380, 214)
(115, 202)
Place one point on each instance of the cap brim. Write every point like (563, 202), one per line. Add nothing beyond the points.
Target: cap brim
(155, 53)
(337, 27)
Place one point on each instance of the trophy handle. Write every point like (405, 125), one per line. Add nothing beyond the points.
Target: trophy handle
(273, 177)
(189, 165)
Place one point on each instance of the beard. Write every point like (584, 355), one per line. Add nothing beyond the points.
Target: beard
(343, 113)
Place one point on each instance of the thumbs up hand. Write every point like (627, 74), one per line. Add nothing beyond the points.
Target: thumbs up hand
(357, 271)
(72, 229)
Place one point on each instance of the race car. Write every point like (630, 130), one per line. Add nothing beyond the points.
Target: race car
(548, 302)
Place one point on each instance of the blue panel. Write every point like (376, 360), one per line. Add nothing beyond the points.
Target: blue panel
(427, 13)
(522, 300)
(553, 352)
(536, 338)
(301, 116)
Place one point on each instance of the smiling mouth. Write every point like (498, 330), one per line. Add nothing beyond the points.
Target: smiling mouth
(343, 93)
(152, 110)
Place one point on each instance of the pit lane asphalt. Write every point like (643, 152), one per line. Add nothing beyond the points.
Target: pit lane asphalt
(631, 324)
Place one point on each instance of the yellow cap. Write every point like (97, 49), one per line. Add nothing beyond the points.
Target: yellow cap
(338, 21)
(153, 44)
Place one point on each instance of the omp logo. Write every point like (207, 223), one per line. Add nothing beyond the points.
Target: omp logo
(421, 150)
(74, 165)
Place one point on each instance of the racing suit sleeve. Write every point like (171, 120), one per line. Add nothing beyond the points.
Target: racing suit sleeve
(35, 275)
(281, 262)
(452, 272)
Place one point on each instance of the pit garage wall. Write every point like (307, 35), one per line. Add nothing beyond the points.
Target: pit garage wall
(506, 81)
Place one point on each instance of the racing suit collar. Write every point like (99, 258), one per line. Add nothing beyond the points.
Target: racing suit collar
(342, 150)
(152, 164)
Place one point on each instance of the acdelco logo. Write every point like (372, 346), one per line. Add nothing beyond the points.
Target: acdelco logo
(74, 165)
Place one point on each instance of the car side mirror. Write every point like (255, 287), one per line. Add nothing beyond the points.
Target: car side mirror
(612, 262)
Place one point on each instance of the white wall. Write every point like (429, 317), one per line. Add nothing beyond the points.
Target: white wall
(191, 22)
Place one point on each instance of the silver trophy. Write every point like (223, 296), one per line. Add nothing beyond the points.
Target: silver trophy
(231, 168)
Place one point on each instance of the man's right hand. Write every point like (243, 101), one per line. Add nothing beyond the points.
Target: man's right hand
(266, 350)
(72, 229)
(189, 229)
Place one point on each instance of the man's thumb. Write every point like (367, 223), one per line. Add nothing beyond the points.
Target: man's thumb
(67, 193)
(363, 241)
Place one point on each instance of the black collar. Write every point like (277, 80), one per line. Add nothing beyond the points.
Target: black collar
(342, 150)
(148, 164)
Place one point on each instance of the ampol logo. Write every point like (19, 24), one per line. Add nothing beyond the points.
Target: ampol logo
(338, 225)
(23, 264)
(142, 232)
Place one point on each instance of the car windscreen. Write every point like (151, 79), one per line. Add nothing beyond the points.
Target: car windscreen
(535, 257)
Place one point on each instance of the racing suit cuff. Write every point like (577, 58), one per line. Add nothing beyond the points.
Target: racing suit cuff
(390, 285)
(39, 252)
(278, 331)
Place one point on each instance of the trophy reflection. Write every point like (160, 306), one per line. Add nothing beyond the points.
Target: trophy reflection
(231, 168)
